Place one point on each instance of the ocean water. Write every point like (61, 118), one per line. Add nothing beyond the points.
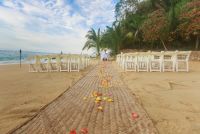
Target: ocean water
(13, 57)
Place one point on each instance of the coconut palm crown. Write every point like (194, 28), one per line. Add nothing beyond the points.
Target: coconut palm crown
(93, 40)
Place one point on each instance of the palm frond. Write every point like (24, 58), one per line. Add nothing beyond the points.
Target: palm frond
(89, 44)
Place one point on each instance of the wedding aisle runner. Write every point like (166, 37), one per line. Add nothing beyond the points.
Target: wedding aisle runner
(99, 103)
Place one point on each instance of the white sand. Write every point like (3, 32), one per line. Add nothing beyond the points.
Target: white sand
(171, 99)
(22, 94)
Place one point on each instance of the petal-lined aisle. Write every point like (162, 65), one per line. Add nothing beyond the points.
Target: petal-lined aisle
(99, 103)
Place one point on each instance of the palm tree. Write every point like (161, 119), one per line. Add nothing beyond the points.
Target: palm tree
(93, 40)
(112, 38)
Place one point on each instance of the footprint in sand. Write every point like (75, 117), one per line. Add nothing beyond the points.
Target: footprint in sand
(172, 85)
(186, 104)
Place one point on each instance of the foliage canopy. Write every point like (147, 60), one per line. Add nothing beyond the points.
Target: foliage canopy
(150, 24)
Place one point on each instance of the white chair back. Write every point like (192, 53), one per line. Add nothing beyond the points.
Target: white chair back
(154, 61)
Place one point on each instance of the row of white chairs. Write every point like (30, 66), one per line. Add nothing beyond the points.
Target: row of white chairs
(154, 61)
(58, 63)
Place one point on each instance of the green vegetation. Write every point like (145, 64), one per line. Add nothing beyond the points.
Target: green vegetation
(150, 24)
(94, 40)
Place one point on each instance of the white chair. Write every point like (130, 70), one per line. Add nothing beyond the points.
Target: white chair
(123, 61)
(182, 59)
(52, 64)
(169, 60)
(32, 68)
(33, 65)
(43, 64)
(65, 63)
(131, 62)
(155, 62)
(118, 59)
(84, 61)
(143, 62)
(87, 60)
(74, 63)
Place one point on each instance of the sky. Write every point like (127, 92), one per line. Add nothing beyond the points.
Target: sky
(51, 25)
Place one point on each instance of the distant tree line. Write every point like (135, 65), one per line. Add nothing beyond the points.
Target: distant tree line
(150, 25)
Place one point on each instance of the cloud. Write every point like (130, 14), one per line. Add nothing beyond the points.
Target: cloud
(51, 25)
(100, 12)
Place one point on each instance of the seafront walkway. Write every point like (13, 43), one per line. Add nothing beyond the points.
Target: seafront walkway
(99, 103)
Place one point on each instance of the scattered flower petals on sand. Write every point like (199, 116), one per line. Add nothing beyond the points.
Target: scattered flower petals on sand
(99, 94)
(73, 131)
(96, 94)
(100, 108)
(84, 131)
(105, 98)
(135, 115)
(98, 99)
(105, 83)
(110, 100)
(97, 102)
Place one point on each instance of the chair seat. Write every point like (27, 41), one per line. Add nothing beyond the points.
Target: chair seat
(154, 61)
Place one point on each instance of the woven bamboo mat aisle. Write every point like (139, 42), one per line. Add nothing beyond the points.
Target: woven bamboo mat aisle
(76, 109)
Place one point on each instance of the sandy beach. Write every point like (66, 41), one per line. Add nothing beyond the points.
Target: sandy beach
(22, 93)
(172, 100)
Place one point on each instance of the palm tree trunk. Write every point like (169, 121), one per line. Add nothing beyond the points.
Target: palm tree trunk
(152, 44)
(98, 49)
(197, 43)
(163, 43)
(117, 49)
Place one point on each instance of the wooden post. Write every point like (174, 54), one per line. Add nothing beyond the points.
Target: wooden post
(20, 57)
